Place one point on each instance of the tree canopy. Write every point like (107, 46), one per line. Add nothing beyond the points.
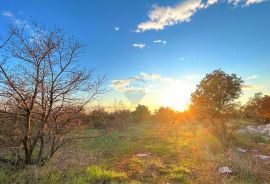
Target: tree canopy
(216, 93)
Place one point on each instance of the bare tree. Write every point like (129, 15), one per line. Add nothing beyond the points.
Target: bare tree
(43, 88)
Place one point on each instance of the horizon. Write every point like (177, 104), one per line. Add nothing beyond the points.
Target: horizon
(160, 50)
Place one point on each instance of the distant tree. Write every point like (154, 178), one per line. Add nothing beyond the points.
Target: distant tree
(141, 113)
(99, 118)
(258, 107)
(122, 119)
(265, 110)
(165, 114)
(42, 89)
(214, 98)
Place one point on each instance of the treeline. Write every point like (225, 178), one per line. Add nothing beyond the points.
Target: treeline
(120, 119)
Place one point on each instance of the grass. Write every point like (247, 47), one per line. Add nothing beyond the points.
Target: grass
(95, 174)
(179, 153)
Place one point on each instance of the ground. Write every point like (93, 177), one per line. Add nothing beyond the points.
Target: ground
(150, 152)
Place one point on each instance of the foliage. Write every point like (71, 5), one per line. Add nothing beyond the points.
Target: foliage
(258, 107)
(216, 93)
(165, 114)
(214, 101)
(117, 120)
(141, 113)
(99, 118)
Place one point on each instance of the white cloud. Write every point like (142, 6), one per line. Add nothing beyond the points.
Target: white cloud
(139, 45)
(153, 76)
(120, 84)
(210, 2)
(15, 20)
(182, 59)
(7, 14)
(125, 84)
(116, 28)
(252, 77)
(160, 17)
(249, 2)
(160, 41)
(244, 3)
(234, 2)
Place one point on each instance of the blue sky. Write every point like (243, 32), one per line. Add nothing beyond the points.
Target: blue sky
(160, 48)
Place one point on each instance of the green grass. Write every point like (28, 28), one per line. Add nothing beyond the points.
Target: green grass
(180, 153)
(95, 174)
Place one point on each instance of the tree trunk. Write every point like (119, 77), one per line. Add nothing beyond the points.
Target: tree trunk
(27, 153)
(41, 149)
(27, 139)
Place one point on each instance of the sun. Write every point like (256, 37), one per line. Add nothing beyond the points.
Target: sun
(176, 97)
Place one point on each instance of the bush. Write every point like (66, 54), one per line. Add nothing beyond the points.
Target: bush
(141, 113)
(99, 118)
(165, 114)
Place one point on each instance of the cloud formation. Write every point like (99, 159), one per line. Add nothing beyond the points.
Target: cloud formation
(7, 14)
(244, 3)
(116, 28)
(161, 17)
(139, 45)
(160, 41)
(137, 82)
(15, 20)
(252, 77)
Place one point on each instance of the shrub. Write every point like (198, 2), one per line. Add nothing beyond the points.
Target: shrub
(99, 118)
(165, 114)
(141, 113)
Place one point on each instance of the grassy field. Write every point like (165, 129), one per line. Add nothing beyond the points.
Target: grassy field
(150, 153)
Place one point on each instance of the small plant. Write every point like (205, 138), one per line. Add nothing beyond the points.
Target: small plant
(2, 176)
(179, 178)
(95, 174)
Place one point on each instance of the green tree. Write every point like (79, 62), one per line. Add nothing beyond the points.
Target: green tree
(214, 99)
(258, 107)
(165, 114)
(141, 113)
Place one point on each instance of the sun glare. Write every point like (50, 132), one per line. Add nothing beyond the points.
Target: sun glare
(176, 98)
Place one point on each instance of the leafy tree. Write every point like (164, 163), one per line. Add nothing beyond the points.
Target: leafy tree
(214, 99)
(258, 107)
(141, 113)
(216, 93)
(165, 114)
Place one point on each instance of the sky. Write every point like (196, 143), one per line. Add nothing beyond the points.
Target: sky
(155, 52)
